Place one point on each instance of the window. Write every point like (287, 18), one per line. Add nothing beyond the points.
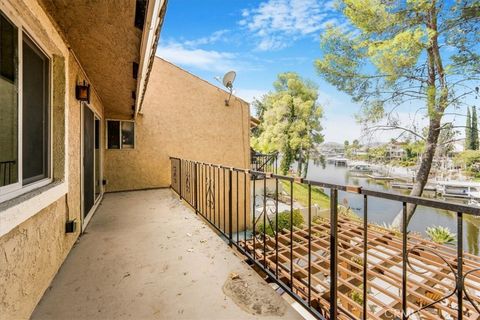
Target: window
(120, 134)
(113, 128)
(8, 103)
(25, 122)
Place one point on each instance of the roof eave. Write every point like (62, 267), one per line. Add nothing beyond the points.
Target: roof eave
(151, 33)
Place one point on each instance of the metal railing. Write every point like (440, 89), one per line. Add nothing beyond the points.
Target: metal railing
(337, 266)
(264, 162)
(6, 172)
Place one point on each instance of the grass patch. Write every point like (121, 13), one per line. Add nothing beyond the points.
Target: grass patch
(283, 222)
(300, 194)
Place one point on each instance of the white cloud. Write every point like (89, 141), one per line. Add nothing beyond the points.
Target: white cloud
(277, 22)
(249, 94)
(213, 38)
(338, 128)
(209, 60)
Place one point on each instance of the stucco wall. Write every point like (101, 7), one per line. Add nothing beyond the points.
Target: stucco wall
(32, 252)
(182, 116)
(30, 256)
(75, 124)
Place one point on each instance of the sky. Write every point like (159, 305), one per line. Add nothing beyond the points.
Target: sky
(259, 40)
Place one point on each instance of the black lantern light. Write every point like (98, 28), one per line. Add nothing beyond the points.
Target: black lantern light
(82, 92)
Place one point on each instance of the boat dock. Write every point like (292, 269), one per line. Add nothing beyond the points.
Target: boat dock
(340, 162)
(409, 186)
(448, 189)
(378, 177)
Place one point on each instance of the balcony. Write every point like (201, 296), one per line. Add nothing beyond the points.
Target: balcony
(202, 253)
(145, 255)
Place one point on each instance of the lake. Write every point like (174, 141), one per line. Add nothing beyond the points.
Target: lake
(384, 211)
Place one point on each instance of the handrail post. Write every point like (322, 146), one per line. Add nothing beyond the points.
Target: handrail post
(195, 181)
(460, 284)
(180, 178)
(333, 252)
(404, 260)
(230, 215)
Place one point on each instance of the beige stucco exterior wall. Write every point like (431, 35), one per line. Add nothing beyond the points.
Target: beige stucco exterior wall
(32, 252)
(182, 116)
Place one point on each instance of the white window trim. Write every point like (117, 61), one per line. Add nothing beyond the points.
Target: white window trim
(16, 189)
(120, 134)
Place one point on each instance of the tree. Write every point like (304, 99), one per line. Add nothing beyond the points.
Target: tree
(414, 149)
(397, 54)
(356, 143)
(468, 131)
(471, 160)
(446, 140)
(259, 108)
(474, 130)
(291, 122)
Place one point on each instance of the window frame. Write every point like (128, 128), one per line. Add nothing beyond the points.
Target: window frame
(16, 189)
(120, 134)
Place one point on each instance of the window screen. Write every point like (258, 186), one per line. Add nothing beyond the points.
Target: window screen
(35, 113)
(128, 135)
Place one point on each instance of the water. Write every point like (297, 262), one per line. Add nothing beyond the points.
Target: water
(384, 211)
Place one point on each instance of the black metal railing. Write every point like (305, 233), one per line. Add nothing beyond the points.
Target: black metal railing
(6, 172)
(264, 162)
(336, 264)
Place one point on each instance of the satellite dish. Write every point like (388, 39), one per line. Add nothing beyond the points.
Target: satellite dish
(228, 79)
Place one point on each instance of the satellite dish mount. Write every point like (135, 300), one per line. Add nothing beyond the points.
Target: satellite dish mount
(228, 80)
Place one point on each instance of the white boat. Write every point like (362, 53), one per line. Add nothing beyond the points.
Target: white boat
(459, 189)
(474, 203)
(361, 168)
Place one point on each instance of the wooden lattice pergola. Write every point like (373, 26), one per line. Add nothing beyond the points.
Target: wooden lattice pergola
(431, 272)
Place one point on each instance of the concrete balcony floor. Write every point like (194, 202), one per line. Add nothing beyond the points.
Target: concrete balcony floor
(145, 255)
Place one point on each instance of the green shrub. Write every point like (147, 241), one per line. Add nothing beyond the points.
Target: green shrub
(283, 222)
(471, 160)
(357, 260)
(387, 227)
(348, 213)
(407, 163)
(357, 296)
(441, 235)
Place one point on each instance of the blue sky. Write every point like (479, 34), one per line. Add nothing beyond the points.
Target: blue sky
(258, 39)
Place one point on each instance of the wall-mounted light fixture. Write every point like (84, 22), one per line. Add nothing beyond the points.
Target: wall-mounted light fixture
(82, 92)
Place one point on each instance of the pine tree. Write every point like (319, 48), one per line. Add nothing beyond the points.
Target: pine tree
(474, 129)
(291, 121)
(468, 131)
(402, 43)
